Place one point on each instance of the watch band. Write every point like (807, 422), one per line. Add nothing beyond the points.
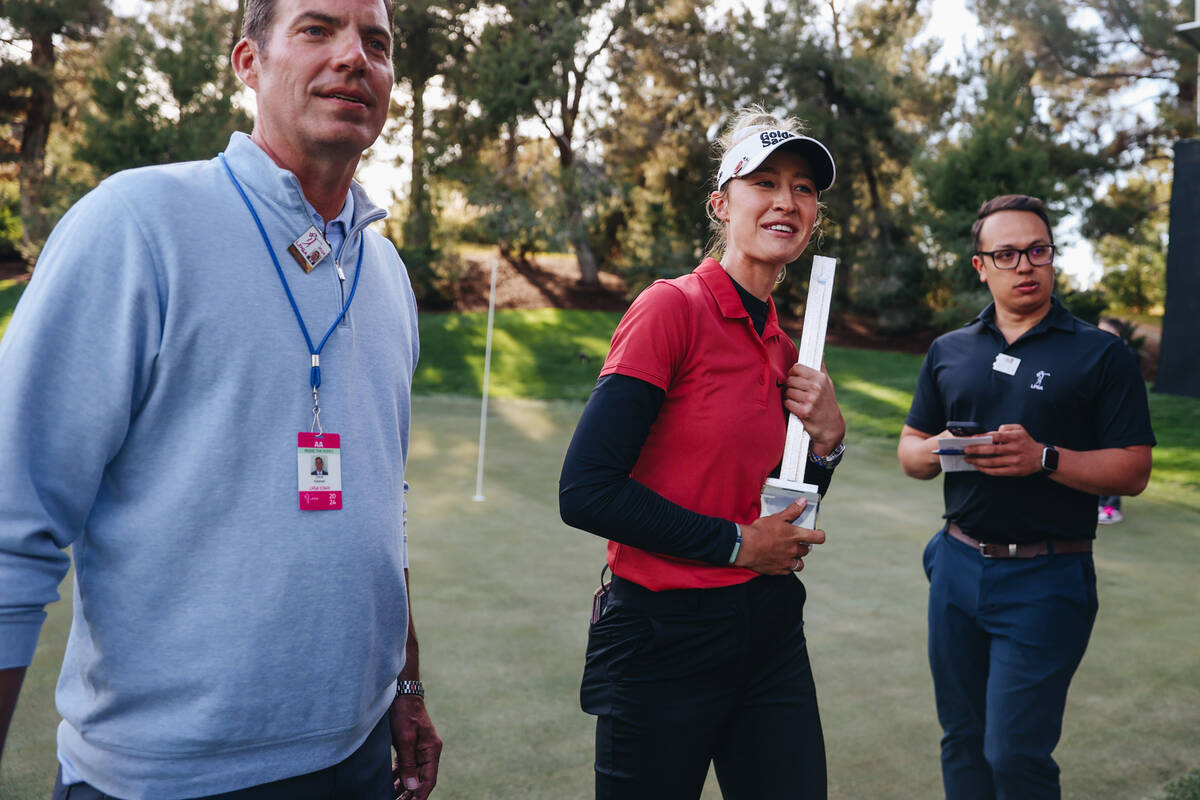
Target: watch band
(830, 461)
(410, 687)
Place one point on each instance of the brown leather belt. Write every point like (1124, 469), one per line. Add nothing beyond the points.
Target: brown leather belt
(1030, 550)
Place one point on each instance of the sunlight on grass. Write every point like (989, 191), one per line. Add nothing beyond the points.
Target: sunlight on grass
(556, 354)
(895, 398)
(544, 353)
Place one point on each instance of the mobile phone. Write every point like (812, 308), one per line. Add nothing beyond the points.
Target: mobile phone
(959, 428)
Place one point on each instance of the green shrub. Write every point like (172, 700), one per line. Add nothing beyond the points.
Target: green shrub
(433, 272)
(1087, 304)
(10, 221)
(1184, 788)
(962, 308)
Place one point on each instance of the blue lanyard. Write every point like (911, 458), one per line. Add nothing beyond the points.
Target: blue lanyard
(315, 372)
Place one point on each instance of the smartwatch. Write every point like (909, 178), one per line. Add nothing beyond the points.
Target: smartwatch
(1049, 459)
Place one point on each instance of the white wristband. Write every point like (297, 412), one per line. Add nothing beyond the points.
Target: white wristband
(736, 545)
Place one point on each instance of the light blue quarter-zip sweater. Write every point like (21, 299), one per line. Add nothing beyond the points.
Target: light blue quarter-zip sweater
(153, 380)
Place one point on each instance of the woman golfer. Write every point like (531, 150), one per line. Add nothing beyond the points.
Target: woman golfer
(697, 653)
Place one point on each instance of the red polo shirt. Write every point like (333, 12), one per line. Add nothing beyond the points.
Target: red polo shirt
(721, 429)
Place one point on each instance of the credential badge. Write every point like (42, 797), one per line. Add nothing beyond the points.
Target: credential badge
(309, 249)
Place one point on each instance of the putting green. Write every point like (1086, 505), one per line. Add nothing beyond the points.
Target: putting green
(502, 588)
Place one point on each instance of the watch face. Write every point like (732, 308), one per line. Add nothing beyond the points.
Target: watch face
(1049, 459)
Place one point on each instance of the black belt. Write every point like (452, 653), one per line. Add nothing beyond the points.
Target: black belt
(1028, 550)
(683, 601)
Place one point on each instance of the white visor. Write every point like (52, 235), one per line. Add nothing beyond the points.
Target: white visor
(749, 153)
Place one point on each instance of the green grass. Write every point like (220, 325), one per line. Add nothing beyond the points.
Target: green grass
(501, 588)
(501, 592)
(10, 292)
(1153, 319)
(544, 353)
(555, 354)
(1176, 423)
(552, 354)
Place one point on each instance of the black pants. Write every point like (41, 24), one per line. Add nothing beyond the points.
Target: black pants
(682, 679)
(366, 774)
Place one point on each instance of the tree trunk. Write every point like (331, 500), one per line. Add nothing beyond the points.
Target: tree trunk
(883, 225)
(418, 225)
(589, 272)
(1189, 110)
(32, 174)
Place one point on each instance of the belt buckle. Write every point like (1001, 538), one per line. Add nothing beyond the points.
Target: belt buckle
(983, 550)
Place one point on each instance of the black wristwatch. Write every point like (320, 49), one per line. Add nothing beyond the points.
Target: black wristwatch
(1049, 459)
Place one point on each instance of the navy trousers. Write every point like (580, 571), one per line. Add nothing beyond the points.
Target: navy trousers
(1005, 638)
(683, 679)
(366, 774)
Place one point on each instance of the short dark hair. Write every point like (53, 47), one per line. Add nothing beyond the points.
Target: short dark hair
(259, 14)
(1010, 202)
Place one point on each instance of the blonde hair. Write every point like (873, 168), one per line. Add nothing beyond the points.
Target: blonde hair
(744, 121)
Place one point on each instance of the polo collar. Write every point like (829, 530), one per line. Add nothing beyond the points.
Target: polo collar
(256, 170)
(720, 285)
(1057, 317)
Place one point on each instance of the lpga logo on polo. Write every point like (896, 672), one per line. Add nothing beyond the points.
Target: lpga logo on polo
(1041, 376)
(768, 138)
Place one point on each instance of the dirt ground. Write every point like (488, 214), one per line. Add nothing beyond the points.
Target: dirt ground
(13, 269)
(545, 281)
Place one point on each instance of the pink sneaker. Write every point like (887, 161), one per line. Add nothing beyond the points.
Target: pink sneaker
(1107, 515)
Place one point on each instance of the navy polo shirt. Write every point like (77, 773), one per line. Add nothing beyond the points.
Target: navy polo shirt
(1076, 386)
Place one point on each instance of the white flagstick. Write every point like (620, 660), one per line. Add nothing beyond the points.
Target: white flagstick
(796, 446)
(487, 373)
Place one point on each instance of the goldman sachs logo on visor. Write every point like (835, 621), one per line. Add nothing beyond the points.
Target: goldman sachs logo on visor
(769, 138)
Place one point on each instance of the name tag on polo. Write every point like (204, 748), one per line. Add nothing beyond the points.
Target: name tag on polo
(1006, 364)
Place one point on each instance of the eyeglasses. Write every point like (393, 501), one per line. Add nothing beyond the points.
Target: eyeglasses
(1038, 255)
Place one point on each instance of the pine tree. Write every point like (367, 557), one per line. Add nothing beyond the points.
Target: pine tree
(163, 88)
(430, 40)
(27, 93)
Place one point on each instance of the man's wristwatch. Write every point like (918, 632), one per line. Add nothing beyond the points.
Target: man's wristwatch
(410, 687)
(830, 461)
(1049, 459)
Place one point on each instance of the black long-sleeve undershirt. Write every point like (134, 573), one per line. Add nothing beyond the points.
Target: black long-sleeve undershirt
(597, 494)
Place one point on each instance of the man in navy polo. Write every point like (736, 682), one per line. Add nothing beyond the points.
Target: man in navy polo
(1012, 591)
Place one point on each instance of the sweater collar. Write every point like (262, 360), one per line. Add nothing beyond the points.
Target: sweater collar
(255, 169)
